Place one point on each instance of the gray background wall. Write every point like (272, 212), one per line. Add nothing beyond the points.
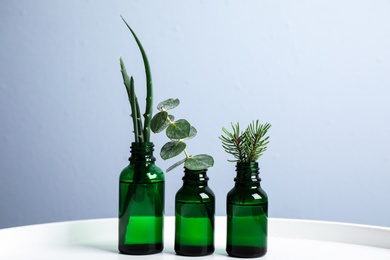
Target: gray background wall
(317, 70)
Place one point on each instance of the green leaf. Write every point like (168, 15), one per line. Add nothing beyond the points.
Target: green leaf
(172, 149)
(129, 84)
(199, 162)
(159, 122)
(191, 135)
(179, 129)
(126, 78)
(168, 104)
(176, 164)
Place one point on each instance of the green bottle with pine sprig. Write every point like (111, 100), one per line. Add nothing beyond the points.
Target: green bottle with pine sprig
(141, 184)
(246, 202)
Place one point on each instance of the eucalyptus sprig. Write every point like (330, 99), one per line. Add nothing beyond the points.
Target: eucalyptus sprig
(141, 132)
(177, 131)
(246, 146)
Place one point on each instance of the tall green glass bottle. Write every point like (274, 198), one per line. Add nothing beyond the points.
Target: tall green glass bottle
(194, 211)
(141, 203)
(247, 213)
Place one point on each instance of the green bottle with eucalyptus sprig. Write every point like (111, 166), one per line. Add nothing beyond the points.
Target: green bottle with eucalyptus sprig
(141, 185)
(194, 201)
(246, 202)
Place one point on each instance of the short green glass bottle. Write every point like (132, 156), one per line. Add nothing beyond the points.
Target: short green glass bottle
(194, 215)
(247, 214)
(141, 203)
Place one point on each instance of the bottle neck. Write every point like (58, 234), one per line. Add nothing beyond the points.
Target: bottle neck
(195, 177)
(142, 153)
(247, 173)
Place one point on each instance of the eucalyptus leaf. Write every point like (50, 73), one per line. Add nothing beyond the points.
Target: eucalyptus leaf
(199, 162)
(168, 104)
(176, 164)
(159, 122)
(191, 135)
(179, 129)
(171, 149)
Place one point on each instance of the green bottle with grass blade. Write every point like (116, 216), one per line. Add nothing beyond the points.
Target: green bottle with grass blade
(246, 202)
(141, 183)
(141, 203)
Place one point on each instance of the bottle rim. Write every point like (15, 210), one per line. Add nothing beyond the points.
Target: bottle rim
(142, 149)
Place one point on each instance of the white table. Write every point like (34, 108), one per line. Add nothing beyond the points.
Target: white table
(288, 239)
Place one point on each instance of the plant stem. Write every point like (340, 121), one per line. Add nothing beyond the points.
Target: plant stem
(134, 115)
(139, 122)
(169, 120)
(187, 155)
(149, 88)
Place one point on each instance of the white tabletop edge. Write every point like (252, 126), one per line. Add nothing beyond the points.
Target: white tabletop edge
(82, 230)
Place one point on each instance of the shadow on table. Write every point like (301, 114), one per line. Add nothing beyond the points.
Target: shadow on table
(217, 251)
(111, 247)
(102, 246)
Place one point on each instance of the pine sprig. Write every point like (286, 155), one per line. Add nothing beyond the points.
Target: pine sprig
(256, 142)
(247, 146)
(233, 142)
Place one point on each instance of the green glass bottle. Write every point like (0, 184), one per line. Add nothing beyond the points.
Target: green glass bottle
(194, 211)
(141, 203)
(247, 213)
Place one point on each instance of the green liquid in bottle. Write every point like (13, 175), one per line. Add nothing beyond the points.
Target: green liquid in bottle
(140, 218)
(247, 230)
(194, 228)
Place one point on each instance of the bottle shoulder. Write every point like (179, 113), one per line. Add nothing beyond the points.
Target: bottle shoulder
(247, 195)
(147, 173)
(195, 194)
